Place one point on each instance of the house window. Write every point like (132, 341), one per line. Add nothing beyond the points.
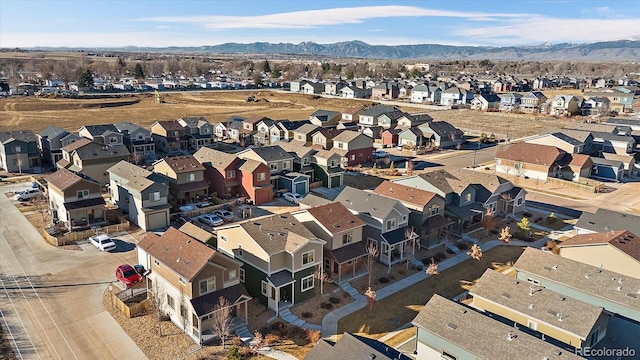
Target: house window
(113, 139)
(231, 174)
(306, 283)
(223, 238)
(391, 224)
(317, 141)
(532, 325)
(285, 165)
(241, 275)
(351, 262)
(83, 194)
(273, 166)
(307, 257)
(260, 176)
(404, 218)
(154, 196)
(519, 202)
(18, 149)
(182, 281)
(340, 145)
(76, 162)
(171, 302)
(233, 274)
(207, 285)
(353, 157)
(467, 197)
(299, 137)
(305, 161)
(435, 210)
(347, 238)
(264, 287)
(333, 163)
(183, 312)
(205, 130)
(533, 281)
(191, 177)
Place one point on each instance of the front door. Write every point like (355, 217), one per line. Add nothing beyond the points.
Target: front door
(273, 296)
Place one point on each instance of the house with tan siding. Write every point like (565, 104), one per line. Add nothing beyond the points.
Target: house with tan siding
(186, 178)
(75, 201)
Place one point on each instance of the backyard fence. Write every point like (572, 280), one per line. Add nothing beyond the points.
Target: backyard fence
(71, 237)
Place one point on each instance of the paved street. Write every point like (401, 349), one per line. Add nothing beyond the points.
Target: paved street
(51, 299)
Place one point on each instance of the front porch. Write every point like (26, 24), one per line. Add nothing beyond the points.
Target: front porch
(82, 214)
(466, 218)
(397, 246)
(346, 262)
(279, 291)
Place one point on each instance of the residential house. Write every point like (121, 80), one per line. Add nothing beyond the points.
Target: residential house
(279, 258)
(255, 181)
(617, 251)
(485, 102)
(358, 347)
(412, 138)
(221, 172)
(615, 144)
(186, 178)
(622, 130)
(562, 140)
(386, 224)
(455, 96)
(447, 329)
(565, 319)
(370, 117)
(354, 92)
(427, 210)
(510, 101)
(19, 151)
(565, 105)
(235, 131)
(141, 194)
(616, 121)
(606, 220)
(351, 114)
(619, 101)
(192, 277)
(605, 169)
(413, 120)
(198, 130)
(390, 137)
(354, 147)
(312, 88)
(296, 85)
(344, 251)
(169, 137)
(375, 133)
(288, 127)
(92, 159)
(303, 156)
(333, 87)
(532, 160)
(327, 168)
(325, 118)
(221, 129)
(263, 135)
(276, 158)
(75, 201)
(423, 93)
(442, 134)
(138, 141)
(628, 161)
(51, 140)
(531, 102)
(323, 138)
(595, 106)
(614, 292)
(304, 133)
(385, 91)
(106, 134)
(579, 168)
(389, 120)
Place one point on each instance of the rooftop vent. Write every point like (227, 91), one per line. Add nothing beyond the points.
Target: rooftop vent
(619, 288)
(178, 260)
(557, 353)
(560, 297)
(452, 326)
(530, 306)
(586, 276)
(632, 295)
(511, 336)
(555, 267)
(506, 295)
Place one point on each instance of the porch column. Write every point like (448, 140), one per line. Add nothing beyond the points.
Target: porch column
(388, 258)
(353, 268)
(246, 313)
(293, 293)
(339, 273)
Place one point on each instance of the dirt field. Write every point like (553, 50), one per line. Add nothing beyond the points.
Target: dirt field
(37, 113)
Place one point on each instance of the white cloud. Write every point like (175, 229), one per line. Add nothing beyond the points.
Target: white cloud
(324, 17)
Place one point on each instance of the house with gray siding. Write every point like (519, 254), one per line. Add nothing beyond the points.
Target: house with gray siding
(19, 151)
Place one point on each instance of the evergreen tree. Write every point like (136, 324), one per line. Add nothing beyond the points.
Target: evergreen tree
(85, 79)
(138, 72)
(266, 68)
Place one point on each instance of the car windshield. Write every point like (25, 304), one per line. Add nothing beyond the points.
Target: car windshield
(129, 273)
(105, 241)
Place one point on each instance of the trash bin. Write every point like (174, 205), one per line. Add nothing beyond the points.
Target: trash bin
(239, 202)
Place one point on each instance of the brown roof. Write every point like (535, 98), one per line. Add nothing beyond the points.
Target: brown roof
(178, 251)
(76, 144)
(255, 119)
(170, 125)
(218, 159)
(579, 159)
(404, 193)
(530, 153)
(63, 179)
(335, 217)
(623, 240)
(196, 232)
(352, 110)
(183, 163)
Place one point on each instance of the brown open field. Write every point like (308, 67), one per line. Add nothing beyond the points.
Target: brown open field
(37, 113)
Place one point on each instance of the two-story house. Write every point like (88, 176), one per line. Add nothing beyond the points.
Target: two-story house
(423, 93)
(106, 134)
(442, 134)
(74, 200)
(344, 251)
(327, 166)
(279, 258)
(186, 178)
(191, 277)
(19, 151)
(169, 137)
(276, 158)
(255, 182)
(565, 105)
(92, 159)
(386, 222)
(427, 210)
(385, 91)
(303, 156)
(323, 138)
(355, 148)
(510, 101)
(325, 118)
(141, 194)
(531, 102)
(413, 120)
(455, 96)
(354, 92)
(268, 133)
(198, 130)
(304, 133)
(51, 140)
(370, 117)
(485, 102)
(389, 120)
(287, 128)
(221, 172)
(138, 141)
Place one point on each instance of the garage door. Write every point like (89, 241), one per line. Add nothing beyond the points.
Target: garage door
(157, 221)
(301, 188)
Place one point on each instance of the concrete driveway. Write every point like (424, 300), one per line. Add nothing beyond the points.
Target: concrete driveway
(51, 299)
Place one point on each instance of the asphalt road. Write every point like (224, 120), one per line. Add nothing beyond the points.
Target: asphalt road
(51, 299)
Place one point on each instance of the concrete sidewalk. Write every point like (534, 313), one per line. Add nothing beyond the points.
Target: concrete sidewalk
(330, 321)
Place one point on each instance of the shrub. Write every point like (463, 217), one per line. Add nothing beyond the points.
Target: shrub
(334, 300)
(246, 352)
(552, 218)
(279, 328)
(306, 315)
(272, 339)
(426, 261)
(326, 306)
(383, 280)
(313, 336)
(297, 333)
(234, 353)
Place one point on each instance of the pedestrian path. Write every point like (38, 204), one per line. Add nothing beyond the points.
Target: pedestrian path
(346, 287)
(289, 317)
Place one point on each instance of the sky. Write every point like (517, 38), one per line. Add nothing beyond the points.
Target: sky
(119, 23)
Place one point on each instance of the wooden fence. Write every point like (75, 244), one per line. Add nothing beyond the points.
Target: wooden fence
(588, 186)
(129, 310)
(71, 237)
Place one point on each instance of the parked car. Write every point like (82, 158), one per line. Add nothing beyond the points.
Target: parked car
(27, 194)
(102, 242)
(181, 219)
(225, 215)
(380, 154)
(210, 219)
(293, 197)
(126, 274)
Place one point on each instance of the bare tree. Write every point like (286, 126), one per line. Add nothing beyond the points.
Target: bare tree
(505, 235)
(222, 320)
(432, 270)
(41, 206)
(372, 254)
(488, 221)
(322, 278)
(370, 295)
(158, 302)
(475, 252)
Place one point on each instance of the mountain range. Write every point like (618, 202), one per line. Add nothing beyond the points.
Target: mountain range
(620, 50)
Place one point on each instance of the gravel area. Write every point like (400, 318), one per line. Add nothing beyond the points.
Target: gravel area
(315, 309)
(398, 272)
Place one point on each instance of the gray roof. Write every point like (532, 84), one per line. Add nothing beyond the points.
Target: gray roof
(592, 127)
(620, 121)
(607, 162)
(95, 150)
(278, 233)
(20, 135)
(613, 137)
(607, 220)
(136, 177)
(567, 138)
(307, 128)
(356, 348)
(360, 201)
(325, 115)
(98, 130)
(490, 98)
(291, 125)
(295, 146)
(217, 159)
(578, 135)
(481, 335)
(347, 136)
(444, 129)
(458, 179)
(312, 200)
(584, 278)
(125, 126)
(52, 132)
(271, 153)
(378, 110)
(537, 302)
(194, 121)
